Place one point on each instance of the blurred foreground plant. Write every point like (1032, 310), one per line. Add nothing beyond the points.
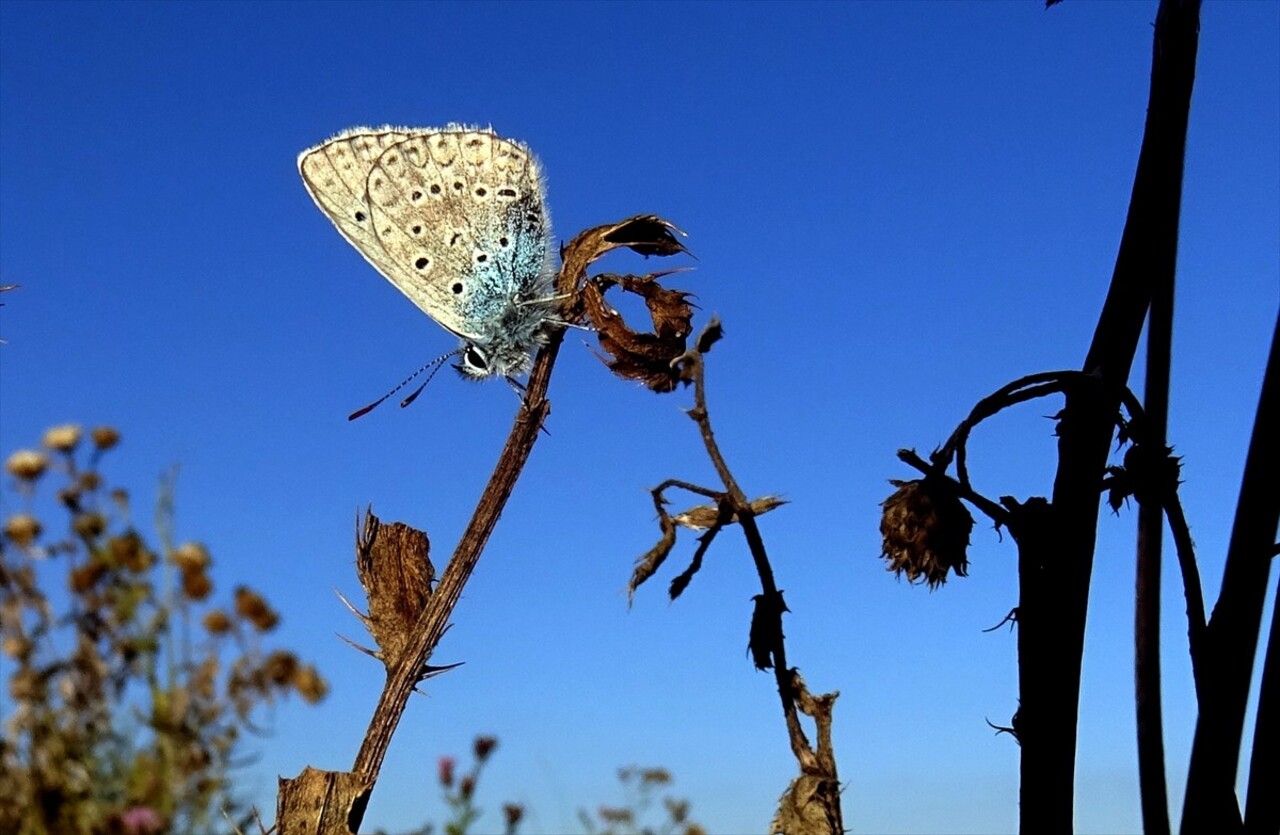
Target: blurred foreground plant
(640, 786)
(127, 692)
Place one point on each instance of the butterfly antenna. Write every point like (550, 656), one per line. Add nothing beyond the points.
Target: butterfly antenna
(432, 366)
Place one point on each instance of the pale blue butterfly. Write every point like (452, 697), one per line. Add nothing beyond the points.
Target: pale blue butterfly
(455, 218)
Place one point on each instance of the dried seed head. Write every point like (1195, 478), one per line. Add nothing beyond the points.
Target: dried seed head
(926, 531)
(190, 556)
(310, 685)
(216, 622)
(196, 585)
(105, 437)
(128, 551)
(513, 812)
(445, 771)
(253, 607)
(27, 464)
(85, 577)
(89, 524)
(17, 647)
(64, 438)
(281, 666)
(22, 529)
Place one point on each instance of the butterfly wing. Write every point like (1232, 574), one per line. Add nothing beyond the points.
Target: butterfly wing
(461, 215)
(336, 174)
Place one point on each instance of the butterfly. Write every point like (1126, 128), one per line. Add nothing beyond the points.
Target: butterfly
(455, 218)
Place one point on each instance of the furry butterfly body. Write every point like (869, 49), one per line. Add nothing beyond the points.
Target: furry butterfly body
(455, 218)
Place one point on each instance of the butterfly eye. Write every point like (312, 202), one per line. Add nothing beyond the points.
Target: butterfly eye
(474, 358)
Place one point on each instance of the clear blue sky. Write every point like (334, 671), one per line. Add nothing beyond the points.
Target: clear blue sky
(896, 208)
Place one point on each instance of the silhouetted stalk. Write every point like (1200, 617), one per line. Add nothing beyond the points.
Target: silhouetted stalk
(1146, 628)
(1056, 555)
(1262, 804)
(1231, 637)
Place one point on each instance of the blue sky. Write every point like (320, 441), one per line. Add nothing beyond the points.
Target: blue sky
(896, 208)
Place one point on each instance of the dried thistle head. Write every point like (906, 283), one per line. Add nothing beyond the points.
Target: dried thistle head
(926, 530)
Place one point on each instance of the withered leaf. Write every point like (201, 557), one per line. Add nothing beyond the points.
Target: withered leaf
(704, 516)
(643, 356)
(766, 628)
(647, 235)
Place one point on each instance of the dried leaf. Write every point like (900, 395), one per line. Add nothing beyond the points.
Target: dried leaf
(766, 628)
(703, 516)
(643, 356)
(394, 567)
(652, 560)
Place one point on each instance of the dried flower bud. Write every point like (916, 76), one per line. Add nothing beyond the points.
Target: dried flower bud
(27, 464)
(190, 556)
(253, 607)
(88, 481)
(483, 746)
(105, 437)
(85, 577)
(128, 551)
(89, 525)
(926, 530)
(467, 786)
(703, 516)
(64, 438)
(22, 529)
(26, 685)
(280, 667)
(17, 647)
(310, 685)
(216, 622)
(513, 812)
(196, 585)
(445, 771)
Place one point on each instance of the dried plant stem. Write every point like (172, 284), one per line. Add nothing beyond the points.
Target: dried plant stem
(819, 764)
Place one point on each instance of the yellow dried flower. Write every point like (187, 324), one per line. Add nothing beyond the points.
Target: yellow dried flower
(22, 529)
(64, 438)
(27, 464)
(191, 556)
(105, 437)
(926, 530)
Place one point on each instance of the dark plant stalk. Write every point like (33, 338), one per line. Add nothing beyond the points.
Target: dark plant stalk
(1146, 628)
(1231, 637)
(1262, 804)
(1055, 569)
